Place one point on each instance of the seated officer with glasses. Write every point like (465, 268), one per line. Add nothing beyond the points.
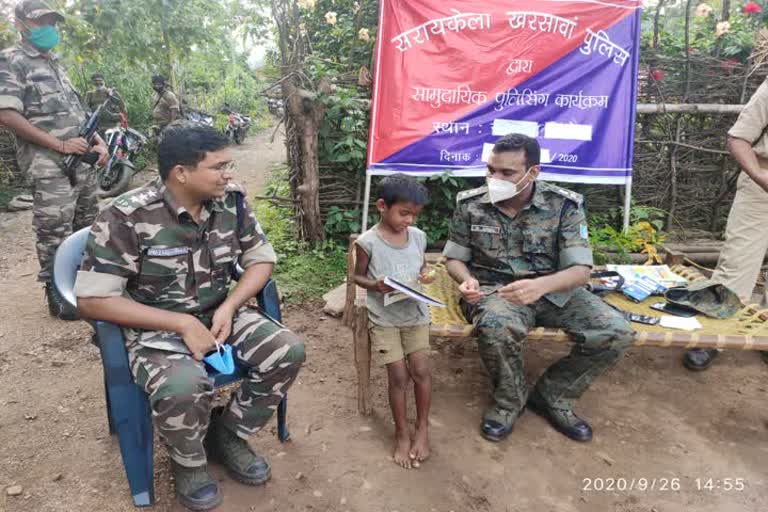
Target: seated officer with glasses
(159, 261)
(520, 250)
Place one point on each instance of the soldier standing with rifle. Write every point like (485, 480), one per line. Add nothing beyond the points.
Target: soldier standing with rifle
(39, 104)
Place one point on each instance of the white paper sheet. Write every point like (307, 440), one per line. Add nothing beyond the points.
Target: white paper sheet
(678, 322)
(414, 294)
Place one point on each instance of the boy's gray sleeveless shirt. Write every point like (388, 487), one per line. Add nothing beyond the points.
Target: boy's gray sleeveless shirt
(402, 264)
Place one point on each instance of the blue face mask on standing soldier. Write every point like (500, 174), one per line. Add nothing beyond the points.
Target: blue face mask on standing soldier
(43, 38)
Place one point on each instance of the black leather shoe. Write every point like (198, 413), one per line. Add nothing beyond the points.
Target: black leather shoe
(494, 431)
(195, 488)
(563, 420)
(699, 359)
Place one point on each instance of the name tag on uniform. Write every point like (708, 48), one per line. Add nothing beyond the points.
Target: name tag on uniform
(478, 228)
(169, 252)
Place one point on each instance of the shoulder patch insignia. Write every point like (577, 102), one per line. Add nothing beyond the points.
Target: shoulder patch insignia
(132, 201)
(474, 192)
(568, 194)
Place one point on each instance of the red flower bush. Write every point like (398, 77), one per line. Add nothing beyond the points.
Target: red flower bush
(751, 8)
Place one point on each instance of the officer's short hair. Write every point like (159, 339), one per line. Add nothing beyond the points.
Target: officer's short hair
(186, 143)
(158, 79)
(400, 188)
(96, 76)
(520, 142)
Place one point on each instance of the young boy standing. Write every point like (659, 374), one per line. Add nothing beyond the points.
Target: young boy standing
(399, 330)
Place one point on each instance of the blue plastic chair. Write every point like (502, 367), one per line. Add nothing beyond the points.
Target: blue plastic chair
(127, 404)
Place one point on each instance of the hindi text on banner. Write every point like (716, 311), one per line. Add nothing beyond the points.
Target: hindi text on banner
(439, 97)
(600, 42)
(581, 101)
(526, 97)
(452, 128)
(456, 23)
(541, 22)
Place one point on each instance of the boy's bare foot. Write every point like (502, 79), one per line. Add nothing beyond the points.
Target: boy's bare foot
(420, 445)
(402, 445)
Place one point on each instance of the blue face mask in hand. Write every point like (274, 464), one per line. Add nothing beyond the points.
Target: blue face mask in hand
(221, 360)
(43, 38)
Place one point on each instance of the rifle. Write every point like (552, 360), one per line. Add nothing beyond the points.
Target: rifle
(87, 132)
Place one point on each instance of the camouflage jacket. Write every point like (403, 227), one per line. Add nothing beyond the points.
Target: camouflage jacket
(36, 86)
(547, 235)
(110, 114)
(147, 246)
(163, 106)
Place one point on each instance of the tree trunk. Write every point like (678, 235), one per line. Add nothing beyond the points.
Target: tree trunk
(306, 114)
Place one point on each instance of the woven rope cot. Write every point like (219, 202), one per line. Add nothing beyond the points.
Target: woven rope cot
(747, 330)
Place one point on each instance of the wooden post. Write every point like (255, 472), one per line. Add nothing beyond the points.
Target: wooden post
(349, 304)
(362, 359)
(356, 318)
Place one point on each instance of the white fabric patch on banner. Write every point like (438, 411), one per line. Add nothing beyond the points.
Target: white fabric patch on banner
(568, 131)
(487, 150)
(502, 127)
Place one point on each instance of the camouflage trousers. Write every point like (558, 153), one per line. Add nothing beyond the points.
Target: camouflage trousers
(59, 210)
(181, 392)
(600, 333)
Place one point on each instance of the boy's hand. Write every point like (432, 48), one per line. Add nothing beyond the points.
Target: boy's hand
(383, 288)
(470, 290)
(522, 292)
(427, 277)
(197, 338)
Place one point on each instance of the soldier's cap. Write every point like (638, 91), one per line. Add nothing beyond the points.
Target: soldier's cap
(34, 9)
(711, 299)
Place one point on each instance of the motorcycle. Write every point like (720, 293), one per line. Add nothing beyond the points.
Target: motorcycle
(276, 107)
(237, 125)
(124, 143)
(198, 116)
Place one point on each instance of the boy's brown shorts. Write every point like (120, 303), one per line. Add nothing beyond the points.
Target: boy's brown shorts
(392, 344)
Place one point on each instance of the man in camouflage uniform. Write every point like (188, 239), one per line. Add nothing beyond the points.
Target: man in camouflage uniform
(110, 114)
(159, 261)
(39, 104)
(520, 250)
(166, 109)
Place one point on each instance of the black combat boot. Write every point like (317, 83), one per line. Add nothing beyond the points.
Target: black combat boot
(699, 359)
(564, 421)
(195, 488)
(232, 451)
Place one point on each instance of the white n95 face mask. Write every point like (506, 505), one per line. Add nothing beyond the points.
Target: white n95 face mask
(501, 190)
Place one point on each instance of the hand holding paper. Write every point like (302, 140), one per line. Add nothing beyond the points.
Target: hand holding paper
(414, 294)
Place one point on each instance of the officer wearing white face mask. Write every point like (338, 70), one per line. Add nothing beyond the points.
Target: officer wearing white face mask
(520, 251)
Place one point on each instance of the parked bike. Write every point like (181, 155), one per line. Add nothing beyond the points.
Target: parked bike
(198, 116)
(237, 125)
(124, 143)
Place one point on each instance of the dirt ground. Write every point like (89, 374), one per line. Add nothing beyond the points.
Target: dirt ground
(653, 420)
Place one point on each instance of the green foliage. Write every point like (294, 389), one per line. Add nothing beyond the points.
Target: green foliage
(435, 218)
(733, 41)
(199, 45)
(302, 274)
(606, 232)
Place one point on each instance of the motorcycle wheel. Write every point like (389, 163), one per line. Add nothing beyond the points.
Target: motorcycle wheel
(238, 137)
(116, 181)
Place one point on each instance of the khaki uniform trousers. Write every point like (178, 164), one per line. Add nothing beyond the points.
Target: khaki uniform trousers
(746, 239)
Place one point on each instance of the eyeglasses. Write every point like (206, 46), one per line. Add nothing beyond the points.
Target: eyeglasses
(227, 168)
